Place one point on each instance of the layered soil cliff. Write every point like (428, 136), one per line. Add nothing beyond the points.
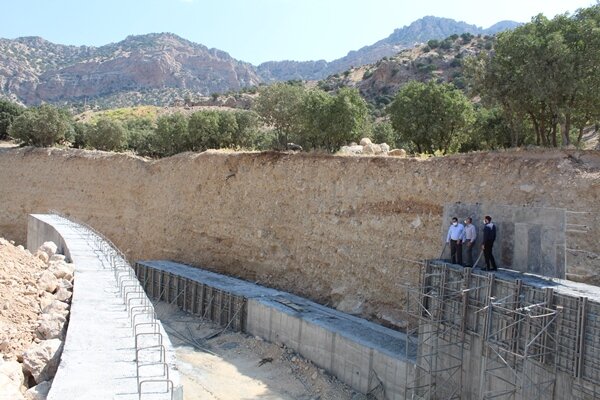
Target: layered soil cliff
(340, 230)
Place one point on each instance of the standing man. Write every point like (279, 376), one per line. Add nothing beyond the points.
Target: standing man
(489, 235)
(469, 238)
(455, 236)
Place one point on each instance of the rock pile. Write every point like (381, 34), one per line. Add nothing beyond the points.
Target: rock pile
(367, 147)
(34, 310)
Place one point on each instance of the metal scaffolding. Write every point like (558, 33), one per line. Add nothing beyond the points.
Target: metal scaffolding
(455, 312)
(519, 345)
(437, 309)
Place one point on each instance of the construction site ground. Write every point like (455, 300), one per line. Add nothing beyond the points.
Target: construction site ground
(217, 364)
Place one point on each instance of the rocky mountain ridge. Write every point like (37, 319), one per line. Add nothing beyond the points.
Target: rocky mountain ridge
(420, 31)
(34, 70)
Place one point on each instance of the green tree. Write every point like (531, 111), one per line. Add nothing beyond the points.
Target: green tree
(349, 119)
(432, 116)
(383, 132)
(314, 119)
(491, 130)
(141, 134)
(8, 112)
(544, 71)
(247, 134)
(171, 135)
(107, 134)
(279, 106)
(228, 129)
(433, 43)
(42, 126)
(80, 132)
(203, 130)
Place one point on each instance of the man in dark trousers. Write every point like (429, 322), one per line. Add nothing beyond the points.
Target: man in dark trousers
(489, 236)
(455, 236)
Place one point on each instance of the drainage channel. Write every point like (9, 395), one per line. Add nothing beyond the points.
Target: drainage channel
(366, 356)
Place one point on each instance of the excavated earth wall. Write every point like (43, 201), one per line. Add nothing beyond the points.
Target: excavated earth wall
(339, 230)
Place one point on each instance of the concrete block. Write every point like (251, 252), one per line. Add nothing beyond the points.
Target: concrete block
(317, 344)
(534, 254)
(352, 363)
(393, 373)
(259, 319)
(286, 328)
(524, 235)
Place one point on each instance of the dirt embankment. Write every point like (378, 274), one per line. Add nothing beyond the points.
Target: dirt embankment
(335, 229)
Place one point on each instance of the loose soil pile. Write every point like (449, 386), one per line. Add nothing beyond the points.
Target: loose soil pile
(19, 300)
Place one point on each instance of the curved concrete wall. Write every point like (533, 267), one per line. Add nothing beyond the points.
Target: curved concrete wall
(99, 355)
(341, 225)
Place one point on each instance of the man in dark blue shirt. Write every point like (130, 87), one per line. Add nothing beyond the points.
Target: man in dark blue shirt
(489, 236)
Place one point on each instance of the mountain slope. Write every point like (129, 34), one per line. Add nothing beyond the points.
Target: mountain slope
(419, 31)
(161, 67)
(137, 63)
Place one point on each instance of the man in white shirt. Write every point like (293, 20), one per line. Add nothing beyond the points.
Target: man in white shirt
(455, 236)
(469, 237)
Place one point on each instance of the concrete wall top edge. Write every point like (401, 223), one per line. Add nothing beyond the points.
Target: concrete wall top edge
(561, 286)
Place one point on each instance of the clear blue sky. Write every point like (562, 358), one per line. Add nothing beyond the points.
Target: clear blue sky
(256, 30)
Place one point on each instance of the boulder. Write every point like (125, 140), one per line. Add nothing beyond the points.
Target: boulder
(58, 257)
(372, 148)
(63, 294)
(49, 248)
(48, 282)
(9, 389)
(356, 149)
(45, 300)
(56, 307)
(51, 326)
(63, 283)
(41, 359)
(365, 141)
(42, 256)
(397, 153)
(38, 392)
(13, 370)
(61, 269)
(385, 148)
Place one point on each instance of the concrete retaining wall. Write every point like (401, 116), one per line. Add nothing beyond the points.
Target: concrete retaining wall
(529, 239)
(364, 355)
(99, 356)
(519, 334)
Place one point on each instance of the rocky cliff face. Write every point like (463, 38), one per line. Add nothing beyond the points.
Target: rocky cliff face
(34, 70)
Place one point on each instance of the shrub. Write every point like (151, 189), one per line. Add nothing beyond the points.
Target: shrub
(466, 37)
(171, 135)
(446, 44)
(8, 112)
(383, 132)
(433, 43)
(107, 135)
(42, 126)
(140, 136)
